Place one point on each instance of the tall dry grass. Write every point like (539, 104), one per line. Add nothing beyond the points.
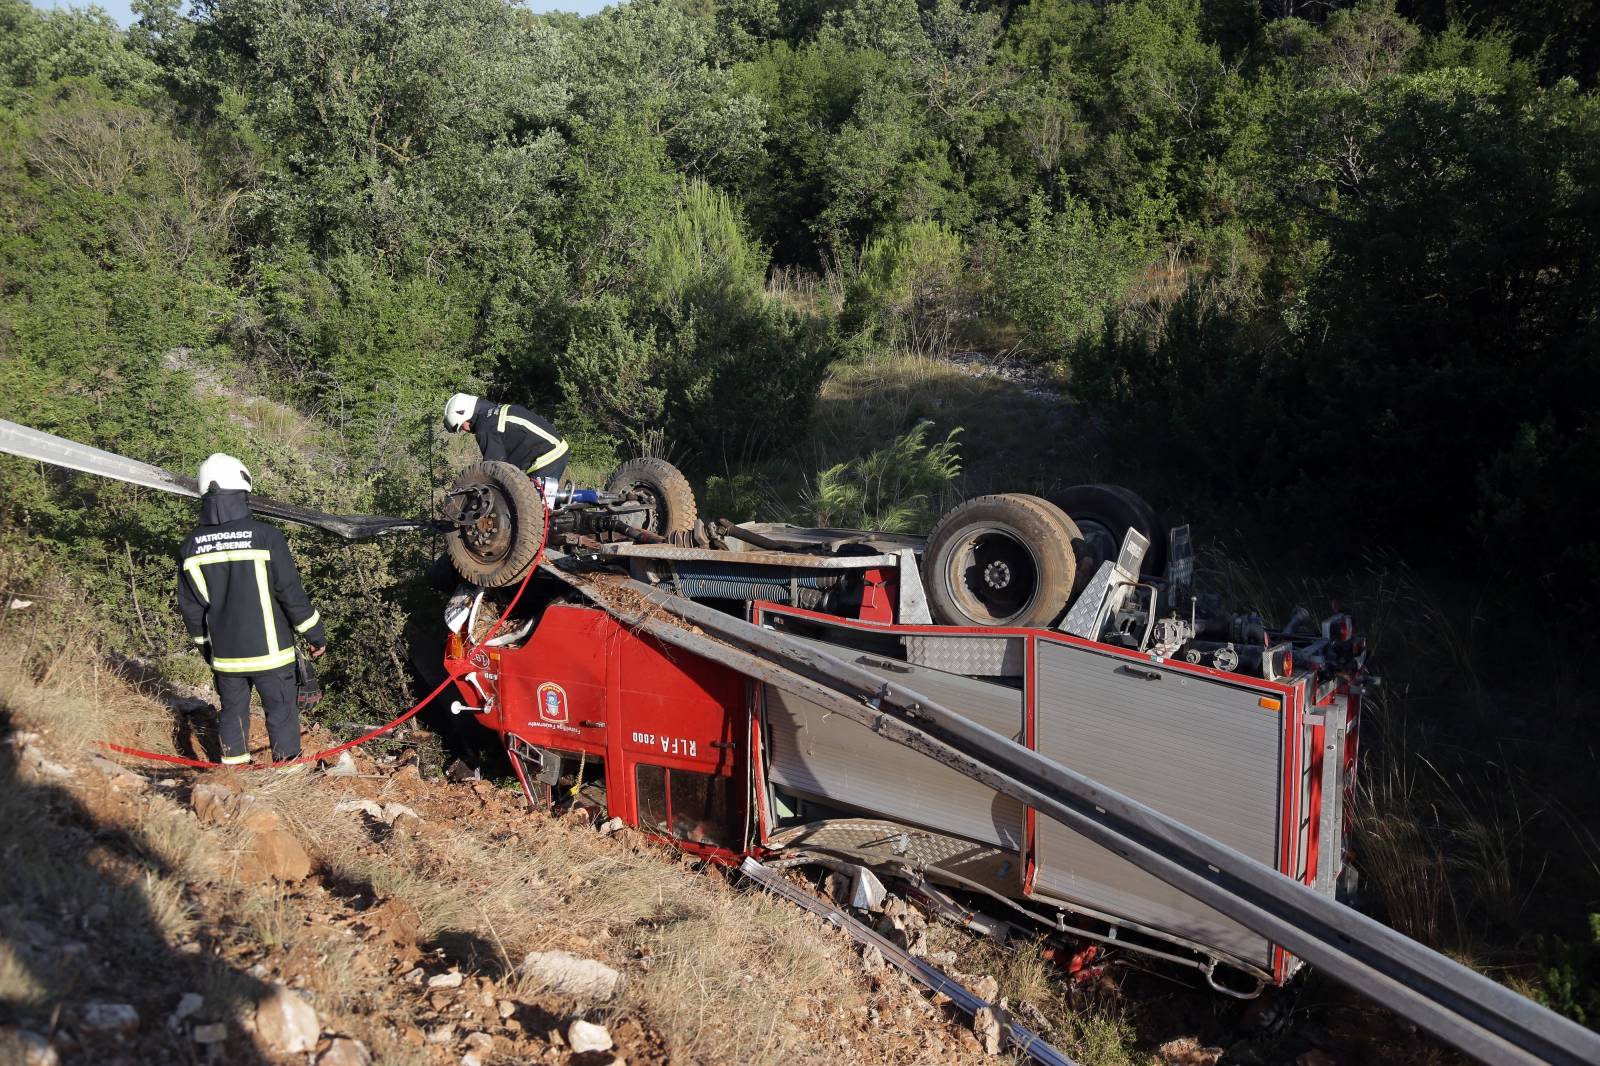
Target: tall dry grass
(807, 292)
(1012, 440)
(54, 672)
(117, 870)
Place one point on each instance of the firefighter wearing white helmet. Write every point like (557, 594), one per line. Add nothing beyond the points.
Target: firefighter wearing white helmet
(244, 606)
(508, 433)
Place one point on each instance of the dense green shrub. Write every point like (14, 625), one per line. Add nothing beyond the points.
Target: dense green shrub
(1440, 333)
(706, 358)
(736, 497)
(911, 289)
(1572, 976)
(1061, 273)
(703, 239)
(110, 262)
(613, 375)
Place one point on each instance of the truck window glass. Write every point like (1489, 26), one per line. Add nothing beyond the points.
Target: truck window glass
(650, 783)
(702, 809)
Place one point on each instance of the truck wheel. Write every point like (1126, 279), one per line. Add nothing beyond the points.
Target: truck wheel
(666, 491)
(499, 519)
(1004, 560)
(1104, 514)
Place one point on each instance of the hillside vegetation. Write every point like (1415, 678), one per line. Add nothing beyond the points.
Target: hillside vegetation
(1320, 276)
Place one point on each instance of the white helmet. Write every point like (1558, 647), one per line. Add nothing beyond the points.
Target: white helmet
(458, 410)
(223, 472)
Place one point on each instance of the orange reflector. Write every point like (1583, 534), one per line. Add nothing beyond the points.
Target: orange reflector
(1270, 703)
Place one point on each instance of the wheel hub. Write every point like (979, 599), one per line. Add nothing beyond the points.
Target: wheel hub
(481, 532)
(993, 575)
(997, 575)
(646, 519)
(481, 520)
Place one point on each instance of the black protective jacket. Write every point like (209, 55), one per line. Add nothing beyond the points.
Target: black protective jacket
(239, 590)
(511, 434)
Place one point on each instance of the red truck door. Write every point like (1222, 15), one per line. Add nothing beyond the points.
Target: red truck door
(670, 728)
(683, 746)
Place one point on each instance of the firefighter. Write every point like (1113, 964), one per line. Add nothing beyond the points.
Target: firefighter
(508, 433)
(243, 605)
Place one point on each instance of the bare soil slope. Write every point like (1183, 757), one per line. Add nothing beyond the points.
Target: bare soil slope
(151, 914)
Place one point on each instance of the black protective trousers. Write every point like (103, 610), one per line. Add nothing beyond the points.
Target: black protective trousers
(277, 691)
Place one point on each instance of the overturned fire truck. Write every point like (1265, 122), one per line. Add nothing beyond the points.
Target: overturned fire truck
(1024, 715)
(1078, 634)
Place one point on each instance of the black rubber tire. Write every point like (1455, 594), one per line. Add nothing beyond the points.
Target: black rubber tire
(514, 531)
(1005, 560)
(1104, 514)
(675, 509)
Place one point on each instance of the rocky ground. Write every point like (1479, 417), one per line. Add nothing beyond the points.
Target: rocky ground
(362, 913)
(1030, 378)
(155, 914)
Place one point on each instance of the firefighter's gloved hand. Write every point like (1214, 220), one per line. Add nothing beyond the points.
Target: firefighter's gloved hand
(318, 650)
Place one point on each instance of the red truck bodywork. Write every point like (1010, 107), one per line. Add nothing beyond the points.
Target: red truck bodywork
(681, 740)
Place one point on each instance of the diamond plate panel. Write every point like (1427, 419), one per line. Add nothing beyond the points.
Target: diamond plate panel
(972, 656)
(1083, 620)
(894, 840)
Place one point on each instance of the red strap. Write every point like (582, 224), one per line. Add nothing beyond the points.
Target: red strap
(201, 764)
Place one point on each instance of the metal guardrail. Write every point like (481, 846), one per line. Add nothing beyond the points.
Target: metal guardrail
(1481, 1017)
(43, 447)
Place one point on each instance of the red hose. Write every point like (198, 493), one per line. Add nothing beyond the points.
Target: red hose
(201, 764)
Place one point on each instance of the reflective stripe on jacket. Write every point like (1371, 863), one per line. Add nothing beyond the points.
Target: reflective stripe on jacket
(239, 590)
(516, 435)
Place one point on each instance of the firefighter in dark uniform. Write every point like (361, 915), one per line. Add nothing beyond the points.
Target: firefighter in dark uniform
(508, 433)
(243, 604)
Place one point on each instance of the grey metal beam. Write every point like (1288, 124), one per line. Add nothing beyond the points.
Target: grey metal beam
(1479, 1016)
(43, 447)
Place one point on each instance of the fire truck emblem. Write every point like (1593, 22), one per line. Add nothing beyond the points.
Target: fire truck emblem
(552, 703)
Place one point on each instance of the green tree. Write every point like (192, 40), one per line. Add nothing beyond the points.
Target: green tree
(41, 47)
(409, 129)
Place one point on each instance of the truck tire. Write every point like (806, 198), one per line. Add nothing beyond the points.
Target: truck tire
(672, 506)
(1104, 514)
(504, 541)
(1006, 560)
